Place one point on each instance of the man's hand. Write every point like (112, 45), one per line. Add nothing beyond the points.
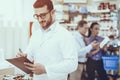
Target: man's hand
(21, 55)
(36, 68)
(95, 44)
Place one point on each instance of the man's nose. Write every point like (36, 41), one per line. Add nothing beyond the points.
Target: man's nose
(40, 19)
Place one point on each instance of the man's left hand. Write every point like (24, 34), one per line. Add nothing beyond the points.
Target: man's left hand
(35, 68)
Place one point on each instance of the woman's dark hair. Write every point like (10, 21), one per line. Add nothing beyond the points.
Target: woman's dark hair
(81, 24)
(91, 26)
(41, 3)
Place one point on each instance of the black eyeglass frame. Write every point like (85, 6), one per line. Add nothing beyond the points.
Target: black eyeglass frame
(42, 16)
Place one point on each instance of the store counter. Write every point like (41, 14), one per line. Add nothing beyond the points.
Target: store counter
(5, 69)
(9, 71)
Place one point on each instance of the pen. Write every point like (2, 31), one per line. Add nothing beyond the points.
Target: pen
(20, 50)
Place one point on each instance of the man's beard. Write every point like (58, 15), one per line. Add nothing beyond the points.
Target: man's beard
(47, 23)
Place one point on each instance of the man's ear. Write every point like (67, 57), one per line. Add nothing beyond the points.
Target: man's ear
(53, 11)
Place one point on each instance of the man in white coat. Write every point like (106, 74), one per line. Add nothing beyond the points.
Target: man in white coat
(51, 48)
(82, 49)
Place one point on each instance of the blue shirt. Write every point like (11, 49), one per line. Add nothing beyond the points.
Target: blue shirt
(98, 55)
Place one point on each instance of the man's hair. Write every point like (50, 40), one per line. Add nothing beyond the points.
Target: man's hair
(81, 23)
(41, 3)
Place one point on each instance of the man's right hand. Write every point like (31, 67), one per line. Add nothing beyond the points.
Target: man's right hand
(95, 44)
(21, 55)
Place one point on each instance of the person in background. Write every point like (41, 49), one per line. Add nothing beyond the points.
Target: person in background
(80, 35)
(94, 61)
(51, 48)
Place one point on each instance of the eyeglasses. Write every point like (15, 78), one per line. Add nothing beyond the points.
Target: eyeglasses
(42, 16)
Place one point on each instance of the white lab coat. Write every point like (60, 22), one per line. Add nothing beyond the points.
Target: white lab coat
(81, 47)
(35, 26)
(55, 49)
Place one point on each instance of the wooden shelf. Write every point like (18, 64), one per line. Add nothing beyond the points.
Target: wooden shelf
(100, 11)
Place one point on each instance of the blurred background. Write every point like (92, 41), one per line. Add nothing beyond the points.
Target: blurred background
(16, 17)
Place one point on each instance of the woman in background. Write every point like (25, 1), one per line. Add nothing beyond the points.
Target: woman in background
(94, 61)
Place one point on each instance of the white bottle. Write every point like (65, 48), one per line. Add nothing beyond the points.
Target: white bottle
(105, 41)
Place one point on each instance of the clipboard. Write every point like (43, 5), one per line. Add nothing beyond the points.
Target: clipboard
(19, 62)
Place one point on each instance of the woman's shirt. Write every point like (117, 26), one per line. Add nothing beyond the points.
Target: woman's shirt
(98, 55)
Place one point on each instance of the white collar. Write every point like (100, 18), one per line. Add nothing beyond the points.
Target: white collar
(51, 28)
(80, 35)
